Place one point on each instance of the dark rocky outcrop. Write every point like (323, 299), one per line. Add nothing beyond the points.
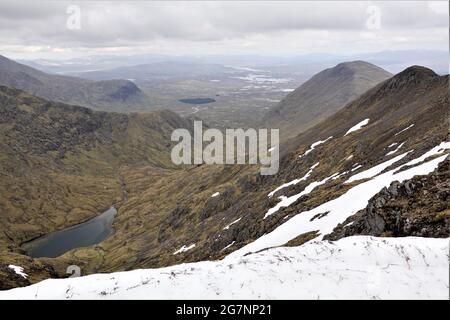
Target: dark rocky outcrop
(416, 207)
(35, 271)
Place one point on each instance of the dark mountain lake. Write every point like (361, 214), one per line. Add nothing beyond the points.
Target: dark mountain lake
(197, 100)
(81, 235)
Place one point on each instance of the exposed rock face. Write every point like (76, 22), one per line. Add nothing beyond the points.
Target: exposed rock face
(10, 279)
(417, 207)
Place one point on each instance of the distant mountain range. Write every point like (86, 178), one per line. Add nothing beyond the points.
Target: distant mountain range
(158, 71)
(391, 60)
(109, 95)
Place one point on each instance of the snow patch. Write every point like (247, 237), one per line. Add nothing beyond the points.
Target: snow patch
(435, 151)
(18, 270)
(409, 127)
(349, 224)
(337, 176)
(314, 145)
(226, 247)
(235, 221)
(244, 68)
(215, 194)
(263, 79)
(294, 182)
(285, 90)
(372, 172)
(184, 248)
(396, 149)
(357, 127)
(287, 201)
(392, 144)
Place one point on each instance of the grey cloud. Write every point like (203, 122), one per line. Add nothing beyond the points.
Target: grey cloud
(130, 24)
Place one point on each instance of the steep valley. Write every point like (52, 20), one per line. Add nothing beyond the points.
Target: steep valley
(62, 165)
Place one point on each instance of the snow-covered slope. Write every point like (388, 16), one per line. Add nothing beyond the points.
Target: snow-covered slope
(337, 210)
(356, 267)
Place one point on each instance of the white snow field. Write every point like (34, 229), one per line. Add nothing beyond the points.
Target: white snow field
(357, 267)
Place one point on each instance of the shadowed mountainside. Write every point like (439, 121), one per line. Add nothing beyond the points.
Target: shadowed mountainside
(108, 95)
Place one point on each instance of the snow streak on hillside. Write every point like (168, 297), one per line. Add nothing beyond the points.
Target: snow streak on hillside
(342, 207)
(351, 268)
(357, 127)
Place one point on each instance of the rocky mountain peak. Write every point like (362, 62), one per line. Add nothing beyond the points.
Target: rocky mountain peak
(416, 71)
(409, 77)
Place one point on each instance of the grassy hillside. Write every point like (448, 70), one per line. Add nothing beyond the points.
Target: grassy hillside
(60, 164)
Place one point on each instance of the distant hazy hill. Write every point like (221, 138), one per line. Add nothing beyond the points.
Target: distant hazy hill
(322, 95)
(111, 95)
(158, 71)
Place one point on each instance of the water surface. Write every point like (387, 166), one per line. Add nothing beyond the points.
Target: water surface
(81, 235)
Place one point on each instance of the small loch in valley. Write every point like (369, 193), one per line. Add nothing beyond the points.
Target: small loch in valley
(81, 235)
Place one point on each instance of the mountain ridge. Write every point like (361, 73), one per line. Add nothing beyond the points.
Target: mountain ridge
(107, 95)
(322, 95)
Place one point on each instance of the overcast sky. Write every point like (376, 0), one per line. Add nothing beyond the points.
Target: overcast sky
(39, 29)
